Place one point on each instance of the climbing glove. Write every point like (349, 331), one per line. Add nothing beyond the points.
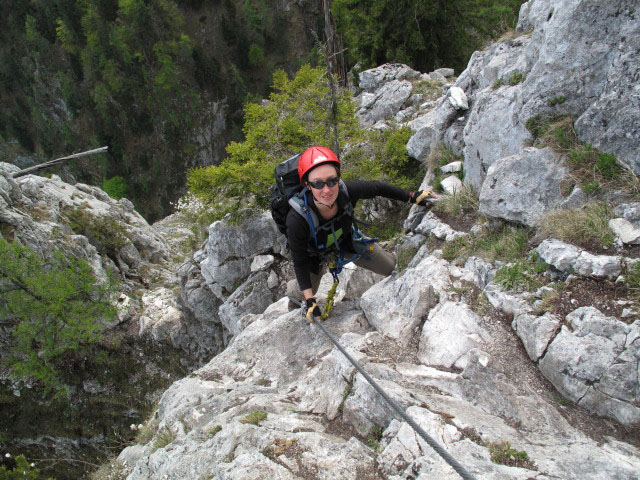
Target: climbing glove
(313, 310)
(424, 198)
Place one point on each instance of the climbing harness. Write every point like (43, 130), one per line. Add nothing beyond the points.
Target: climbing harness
(338, 261)
(460, 470)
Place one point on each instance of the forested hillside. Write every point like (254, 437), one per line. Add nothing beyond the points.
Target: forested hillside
(163, 82)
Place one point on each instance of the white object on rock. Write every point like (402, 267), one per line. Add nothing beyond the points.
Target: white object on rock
(625, 230)
(261, 262)
(452, 167)
(458, 98)
(451, 184)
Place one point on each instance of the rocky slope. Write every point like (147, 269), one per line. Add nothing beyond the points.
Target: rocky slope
(510, 392)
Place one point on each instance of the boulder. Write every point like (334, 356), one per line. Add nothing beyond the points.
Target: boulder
(396, 306)
(458, 98)
(536, 332)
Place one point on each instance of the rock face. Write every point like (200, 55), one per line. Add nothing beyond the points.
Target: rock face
(280, 400)
(564, 52)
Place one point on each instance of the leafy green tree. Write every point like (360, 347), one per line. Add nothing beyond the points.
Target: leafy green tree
(52, 307)
(425, 34)
(296, 116)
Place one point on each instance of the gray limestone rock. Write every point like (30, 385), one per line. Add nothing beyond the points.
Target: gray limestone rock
(396, 306)
(385, 102)
(374, 78)
(522, 187)
(450, 332)
(566, 257)
(536, 332)
(575, 51)
(253, 296)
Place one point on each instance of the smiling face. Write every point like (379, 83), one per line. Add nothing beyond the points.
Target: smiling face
(326, 195)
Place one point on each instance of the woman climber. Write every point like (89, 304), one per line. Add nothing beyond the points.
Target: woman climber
(332, 202)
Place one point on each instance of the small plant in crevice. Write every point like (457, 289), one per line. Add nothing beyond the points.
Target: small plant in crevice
(504, 454)
(497, 84)
(113, 469)
(214, 430)
(632, 279)
(404, 257)
(522, 275)
(550, 299)
(347, 391)
(516, 78)
(508, 243)
(462, 202)
(279, 447)
(164, 437)
(374, 437)
(552, 102)
(254, 417)
(588, 167)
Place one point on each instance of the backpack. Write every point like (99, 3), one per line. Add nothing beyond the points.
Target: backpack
(289, 193)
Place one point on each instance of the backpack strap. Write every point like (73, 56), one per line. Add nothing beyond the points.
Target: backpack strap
(300, 204)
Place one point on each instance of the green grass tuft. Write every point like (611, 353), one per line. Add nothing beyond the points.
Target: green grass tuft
(255, 417)
(587, 226)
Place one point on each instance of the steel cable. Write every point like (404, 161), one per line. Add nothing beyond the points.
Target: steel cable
(460, 470)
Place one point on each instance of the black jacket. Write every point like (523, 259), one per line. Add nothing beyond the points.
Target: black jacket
(306, 256)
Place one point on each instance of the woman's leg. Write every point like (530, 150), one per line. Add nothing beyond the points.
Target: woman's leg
(378, 260)
(293, 289)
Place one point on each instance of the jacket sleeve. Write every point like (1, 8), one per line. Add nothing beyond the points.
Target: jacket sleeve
(298, 234)
(363, 189)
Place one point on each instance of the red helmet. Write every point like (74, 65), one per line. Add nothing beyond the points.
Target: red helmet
(314, 156)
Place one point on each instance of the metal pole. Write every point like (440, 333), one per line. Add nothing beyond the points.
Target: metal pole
(50, 163)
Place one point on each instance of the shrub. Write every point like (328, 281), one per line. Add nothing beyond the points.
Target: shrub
(587, 226)
(23, 470)
(256, 55)
(115, 187)
(104, 233)
(52, 307)
(497, 84)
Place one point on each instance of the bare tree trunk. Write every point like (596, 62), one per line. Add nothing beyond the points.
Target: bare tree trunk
(333, 41)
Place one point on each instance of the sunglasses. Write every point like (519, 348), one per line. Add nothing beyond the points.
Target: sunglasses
(329, 182)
